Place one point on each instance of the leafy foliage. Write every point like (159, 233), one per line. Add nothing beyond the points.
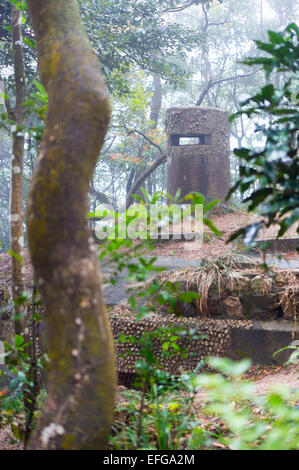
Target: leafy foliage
(271, 174)
(160, 413)
(231, 414)
(137, 33)
(20, 394)
(16, 382)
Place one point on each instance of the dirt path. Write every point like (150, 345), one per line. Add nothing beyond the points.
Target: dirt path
(269, 377)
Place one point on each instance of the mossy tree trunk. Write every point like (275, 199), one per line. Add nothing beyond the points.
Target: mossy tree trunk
(16, 190)
(81, 379)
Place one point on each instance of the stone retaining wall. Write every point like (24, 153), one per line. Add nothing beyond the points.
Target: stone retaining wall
(243, 294)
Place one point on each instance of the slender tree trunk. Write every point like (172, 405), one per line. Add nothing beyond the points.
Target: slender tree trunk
(156, 101)
(142, 173)
(154, 117)
(16, 192)
(262, 20)
(81, 378)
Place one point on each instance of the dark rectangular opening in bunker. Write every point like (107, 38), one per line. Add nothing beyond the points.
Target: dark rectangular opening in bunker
(190, 139)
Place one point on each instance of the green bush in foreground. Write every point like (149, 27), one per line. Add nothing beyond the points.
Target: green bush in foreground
(182, 415)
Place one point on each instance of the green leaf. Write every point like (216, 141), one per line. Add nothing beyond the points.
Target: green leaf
(19, 5)
(19, 340)
(188, 296)
(276, 38)
(288, 222)
(229, 367)
(210, 224)
(268, 92)
(40, 87)
(122, 338)
(210, 206)
(258, 197)
(196, 198)
(30, 43)
(12, 254)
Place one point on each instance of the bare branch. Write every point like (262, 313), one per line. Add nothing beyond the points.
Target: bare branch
(143, 177)
(133, 131)
(212, 83)
(101, 197)
(207, 24)
(182, 7)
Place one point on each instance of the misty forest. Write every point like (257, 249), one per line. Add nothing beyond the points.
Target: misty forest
(149, 236)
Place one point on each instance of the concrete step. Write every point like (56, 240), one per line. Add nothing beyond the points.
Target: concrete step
(261, 341)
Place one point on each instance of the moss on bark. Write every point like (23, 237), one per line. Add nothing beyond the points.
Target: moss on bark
(81, 379)
(16, 191)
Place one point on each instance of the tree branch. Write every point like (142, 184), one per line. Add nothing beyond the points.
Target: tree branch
(212, 83)
(133, 131)
(101, 197)
(182, 7)
(143, 177)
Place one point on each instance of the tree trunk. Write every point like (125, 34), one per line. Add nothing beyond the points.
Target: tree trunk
(144, 173)
(154, 117)
(16, 188)
(156, 102)
(81, 377)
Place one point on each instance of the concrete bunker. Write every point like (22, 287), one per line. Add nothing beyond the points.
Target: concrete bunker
(198, 151)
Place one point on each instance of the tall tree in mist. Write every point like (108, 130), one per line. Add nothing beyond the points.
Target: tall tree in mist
(17, 114)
